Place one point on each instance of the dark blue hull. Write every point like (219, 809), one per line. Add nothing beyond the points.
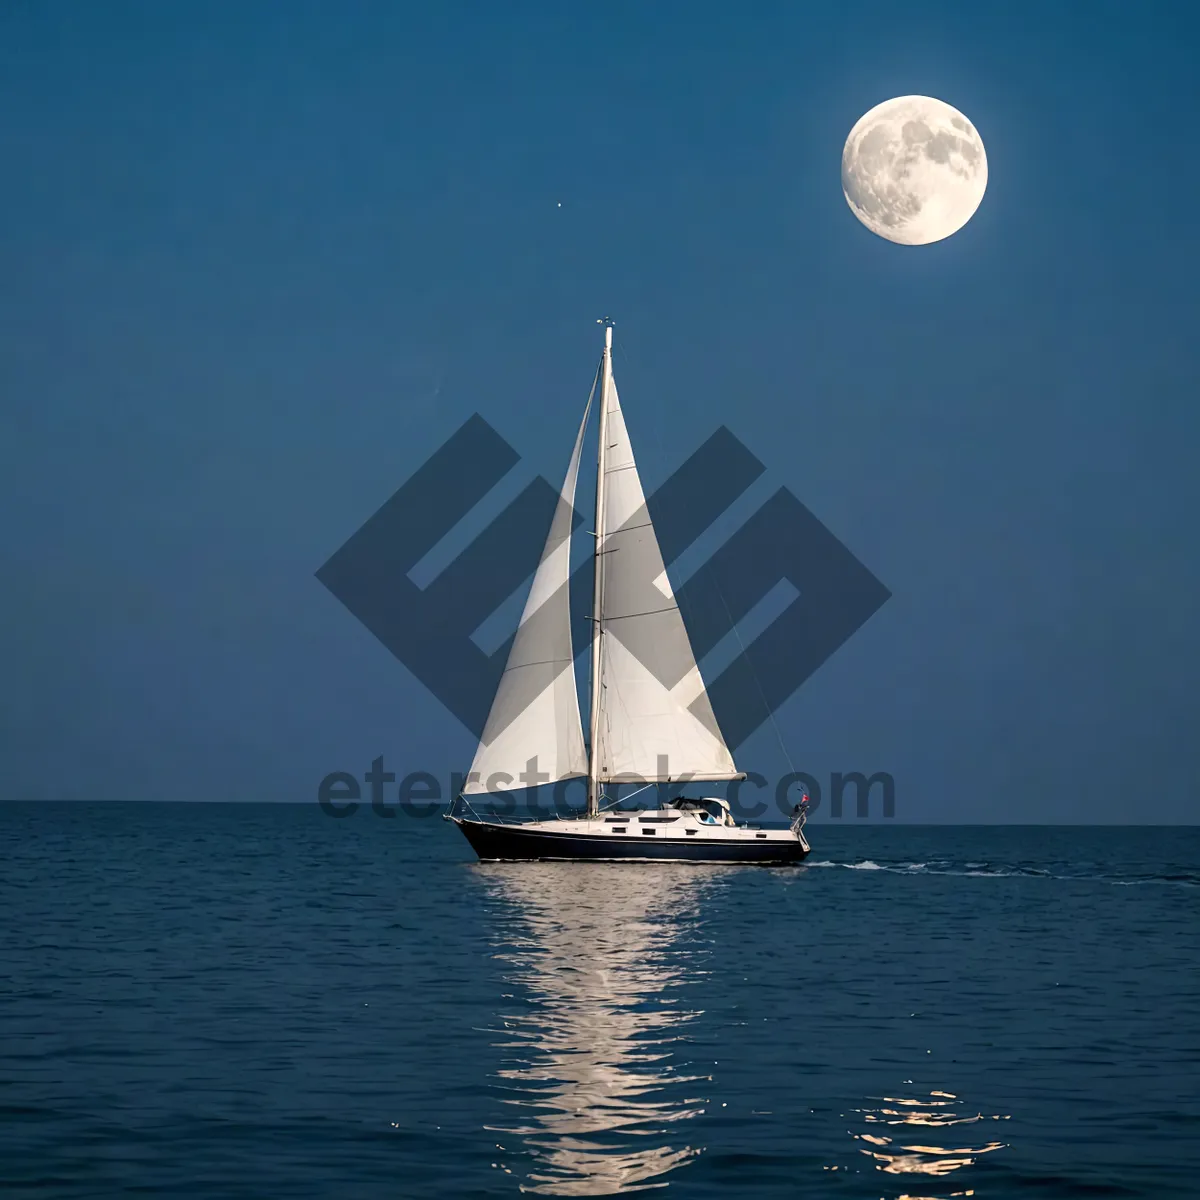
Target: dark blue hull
(511, 843)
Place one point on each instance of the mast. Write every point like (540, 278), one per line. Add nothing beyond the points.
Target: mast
(593, 796)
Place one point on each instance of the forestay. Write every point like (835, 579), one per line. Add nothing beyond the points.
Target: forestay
(535, 714)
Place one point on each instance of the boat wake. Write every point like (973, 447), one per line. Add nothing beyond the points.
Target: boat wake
(983, 870)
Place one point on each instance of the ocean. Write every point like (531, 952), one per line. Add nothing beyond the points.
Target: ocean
(260, 1001)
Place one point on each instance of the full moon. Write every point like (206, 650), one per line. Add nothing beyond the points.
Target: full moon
(914, 170)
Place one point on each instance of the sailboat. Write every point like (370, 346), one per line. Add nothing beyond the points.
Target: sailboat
(651, 720)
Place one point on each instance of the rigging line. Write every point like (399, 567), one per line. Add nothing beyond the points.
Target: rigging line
(650, 612)
(545, 662)
(629, 797)
(586, 412)
(754, 675)
(468, 806)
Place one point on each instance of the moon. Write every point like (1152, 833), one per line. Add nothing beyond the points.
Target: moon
(914, 170)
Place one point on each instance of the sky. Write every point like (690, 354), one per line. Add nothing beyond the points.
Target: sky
(260, 261)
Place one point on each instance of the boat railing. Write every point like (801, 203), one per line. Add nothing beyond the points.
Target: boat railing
(461, 807)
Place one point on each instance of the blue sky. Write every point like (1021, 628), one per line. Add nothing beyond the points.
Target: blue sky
(260, 261)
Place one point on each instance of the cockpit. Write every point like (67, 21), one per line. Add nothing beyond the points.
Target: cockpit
(708, 810)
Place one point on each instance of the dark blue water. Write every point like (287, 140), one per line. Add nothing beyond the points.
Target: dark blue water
(259, 1001)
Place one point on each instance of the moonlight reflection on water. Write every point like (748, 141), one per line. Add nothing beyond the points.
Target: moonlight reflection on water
(592, 1059)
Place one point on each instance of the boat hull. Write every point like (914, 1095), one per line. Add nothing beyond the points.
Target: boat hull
(494, 842)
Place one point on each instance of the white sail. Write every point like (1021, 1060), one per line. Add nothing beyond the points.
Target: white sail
(656, 721)
(535, 715)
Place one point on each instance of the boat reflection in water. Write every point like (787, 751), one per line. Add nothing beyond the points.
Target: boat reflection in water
(903, 1132)
(600, 957)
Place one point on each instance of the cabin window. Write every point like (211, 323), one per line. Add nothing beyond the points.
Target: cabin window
(651, 831)
(762, 835)
(690, 832)
(619, 828)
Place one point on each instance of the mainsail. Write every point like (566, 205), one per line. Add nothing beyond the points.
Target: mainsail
(656, 722)
(652, 720)
(535, 715)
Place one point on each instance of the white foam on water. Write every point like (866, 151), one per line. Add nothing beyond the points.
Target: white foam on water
(976, 870)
